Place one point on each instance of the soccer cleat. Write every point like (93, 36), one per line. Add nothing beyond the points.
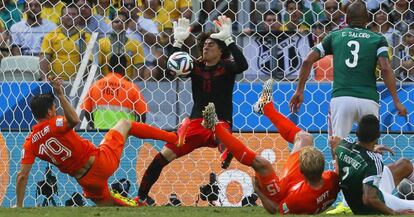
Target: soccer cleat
(148, 201)
(141, 202)
(209, 116)
(340, 209)
(120, 200)
(182, 131)
(226, 158)
(265, 97)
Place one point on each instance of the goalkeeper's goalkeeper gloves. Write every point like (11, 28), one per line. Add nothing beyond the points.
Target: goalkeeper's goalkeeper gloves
(223, 24)
(181, 30)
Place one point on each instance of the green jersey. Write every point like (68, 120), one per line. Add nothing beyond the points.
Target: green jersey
(358, 166)
(355, 53)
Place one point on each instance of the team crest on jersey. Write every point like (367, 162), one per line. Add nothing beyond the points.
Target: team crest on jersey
(59, 122)
(285, 208)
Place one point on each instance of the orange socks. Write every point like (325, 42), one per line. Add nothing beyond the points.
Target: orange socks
(242, 153)
(145, 131)
(286, 127)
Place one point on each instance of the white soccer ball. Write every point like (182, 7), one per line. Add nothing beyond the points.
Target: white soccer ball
(180, 63)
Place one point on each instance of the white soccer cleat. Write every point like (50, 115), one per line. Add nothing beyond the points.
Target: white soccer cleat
(266, 97)
(209, 116)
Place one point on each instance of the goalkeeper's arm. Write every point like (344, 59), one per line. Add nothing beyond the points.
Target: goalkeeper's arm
(181, 31)
(224, 25)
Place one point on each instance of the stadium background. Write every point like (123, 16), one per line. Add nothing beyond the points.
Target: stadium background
(170, 101)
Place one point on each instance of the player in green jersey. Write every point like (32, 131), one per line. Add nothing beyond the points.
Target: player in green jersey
(366, 183)
(356, 52)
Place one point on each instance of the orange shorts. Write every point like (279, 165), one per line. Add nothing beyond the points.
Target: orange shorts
(275, 187)
(95, 182)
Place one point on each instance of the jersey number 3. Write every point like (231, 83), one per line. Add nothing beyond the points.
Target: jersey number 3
(54, 149)
(354, 46)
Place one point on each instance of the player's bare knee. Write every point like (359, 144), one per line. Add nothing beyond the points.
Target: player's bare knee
(126, 123)
(305, 138)
(123, 127)
(302, 139)
(123, 124)
(261, 165)
(401, 169)
(405, 165)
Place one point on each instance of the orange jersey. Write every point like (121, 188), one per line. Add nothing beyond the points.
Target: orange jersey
(302, 199)
(115, 91)
(53, 141)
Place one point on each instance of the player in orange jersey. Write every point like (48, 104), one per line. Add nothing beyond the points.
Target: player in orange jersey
(53, 139)
(303, 187)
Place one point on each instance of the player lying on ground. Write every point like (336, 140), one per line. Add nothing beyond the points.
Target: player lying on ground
(53, 139)
(366, 183)
(302, 187)
(212, 80)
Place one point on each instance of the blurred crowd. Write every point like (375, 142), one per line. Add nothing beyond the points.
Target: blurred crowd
(313, 20)
(275, 33)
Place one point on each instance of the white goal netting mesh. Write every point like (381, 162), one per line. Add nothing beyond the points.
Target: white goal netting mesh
(41, 37)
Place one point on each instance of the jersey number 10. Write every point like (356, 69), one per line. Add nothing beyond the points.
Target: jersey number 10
(354, 46)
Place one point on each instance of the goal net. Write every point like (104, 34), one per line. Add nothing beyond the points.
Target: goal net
(275, 37)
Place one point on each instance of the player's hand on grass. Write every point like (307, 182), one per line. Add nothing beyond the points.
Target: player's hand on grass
(56, 83)
(381, 149)
(223, 24)
(402, 111)
(296, 101)
(181, 29)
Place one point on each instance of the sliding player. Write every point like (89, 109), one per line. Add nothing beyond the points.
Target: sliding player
(54, 140)
(303, 187)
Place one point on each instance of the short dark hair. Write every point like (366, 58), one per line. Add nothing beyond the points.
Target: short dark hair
(118, 64)
(225, 51)
(368, 129)
(357, 14)
(40, 104)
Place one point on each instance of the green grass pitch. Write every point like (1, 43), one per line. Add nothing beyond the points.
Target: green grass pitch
(158, 211)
